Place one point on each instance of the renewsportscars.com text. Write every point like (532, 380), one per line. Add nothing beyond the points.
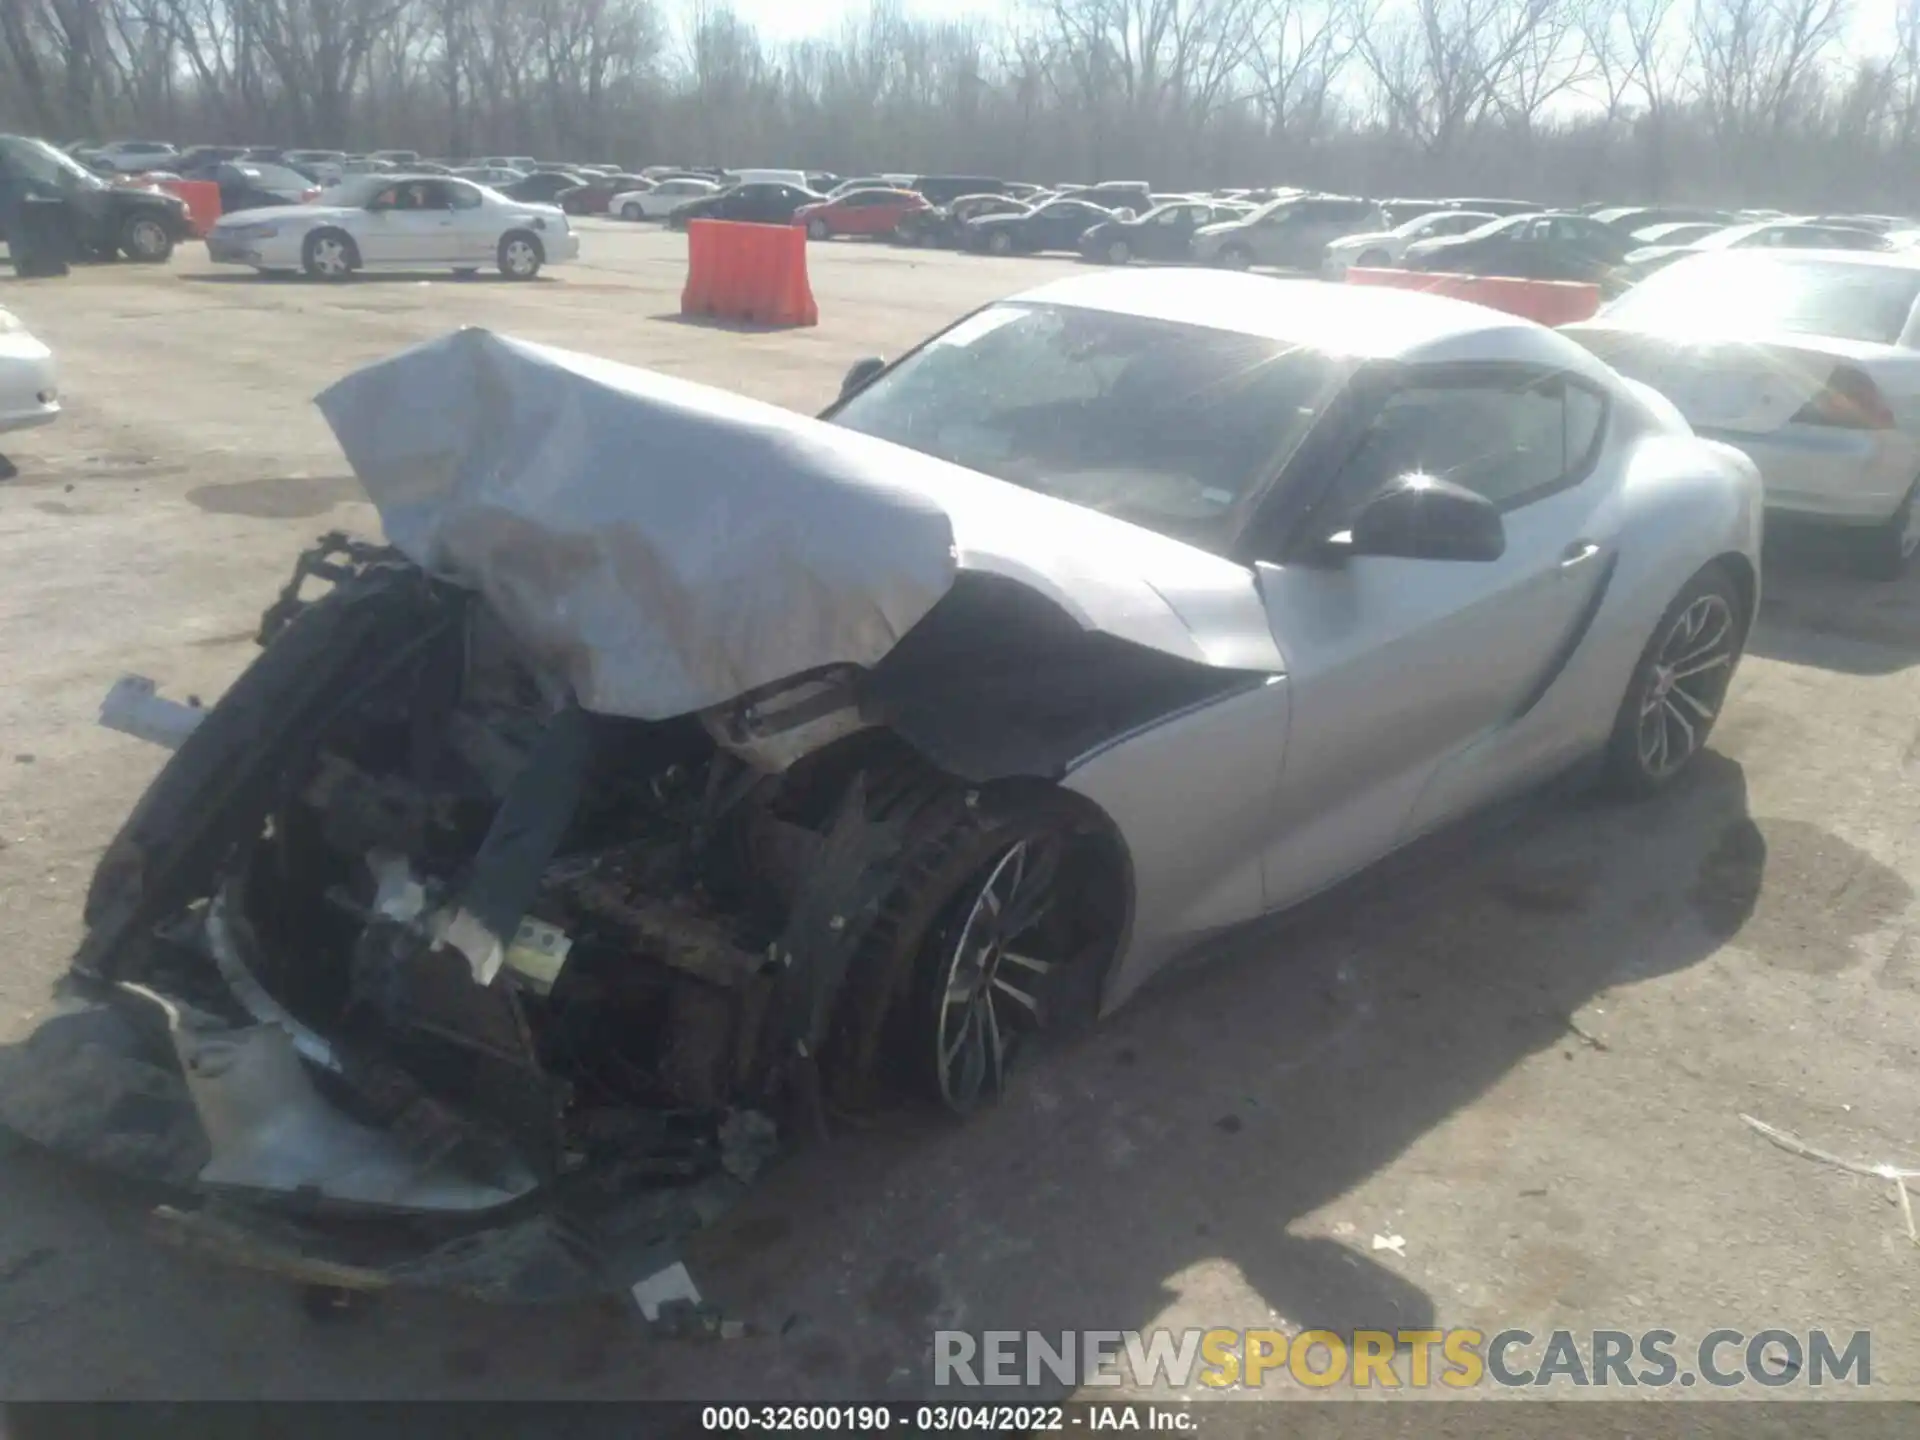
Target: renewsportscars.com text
(1400, 1359)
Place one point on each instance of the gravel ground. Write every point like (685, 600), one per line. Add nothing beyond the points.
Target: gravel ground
(1524, 1051)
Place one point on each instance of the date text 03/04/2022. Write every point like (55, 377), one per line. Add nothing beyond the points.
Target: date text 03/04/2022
(956, 1417)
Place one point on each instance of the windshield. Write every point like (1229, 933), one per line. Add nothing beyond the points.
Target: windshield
(1747, 293)
(38, 161)
(1172, 427)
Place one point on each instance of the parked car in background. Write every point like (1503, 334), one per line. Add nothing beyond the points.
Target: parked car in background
(29, 379)
(596, 195)
(1629, 218)
(199, 157)
(1807, 360)
(944, 225)
(1291, 232)
(1553, 246)
(1124, 197)
(796, 178)
(253, 187)
(493, 176)
(1883, 224)
(327, 167)
(859, 212)
(366, 165)
(756, 203)
(1493, 207)
(1163, 233)
(1758, 235)
(523, 164)
(142, 224)
(1056, 225)
(945, 189)
(542, 187)
(1676, 232)
(660, 200)
(131, 157)
(379, 222)
(1376, 248)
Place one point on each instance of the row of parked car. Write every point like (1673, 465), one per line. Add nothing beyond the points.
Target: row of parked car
(1119, 222)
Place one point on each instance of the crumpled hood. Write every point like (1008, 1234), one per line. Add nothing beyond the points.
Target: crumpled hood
(666, 546)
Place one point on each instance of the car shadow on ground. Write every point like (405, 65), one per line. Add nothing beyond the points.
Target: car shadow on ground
(1206, 1131)
(1188, 1135)
(363, 277)
(1819, 608)
(717, 322)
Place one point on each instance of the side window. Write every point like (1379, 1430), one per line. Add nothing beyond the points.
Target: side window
(463, 197)
(1511, 440)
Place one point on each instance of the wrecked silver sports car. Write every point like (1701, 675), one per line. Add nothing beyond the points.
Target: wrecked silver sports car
(682, 771)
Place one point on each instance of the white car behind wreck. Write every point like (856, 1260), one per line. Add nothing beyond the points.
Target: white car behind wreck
(684, 768)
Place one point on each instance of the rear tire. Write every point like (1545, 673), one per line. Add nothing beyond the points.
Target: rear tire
(999, 243)
(632, 212)
(1373, 260)
(1887, 549)
(1237, 257)
(1679, 686)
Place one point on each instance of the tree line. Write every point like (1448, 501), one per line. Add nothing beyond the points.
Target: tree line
(1756, 102)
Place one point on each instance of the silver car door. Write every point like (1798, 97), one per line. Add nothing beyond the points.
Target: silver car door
(1398, 666)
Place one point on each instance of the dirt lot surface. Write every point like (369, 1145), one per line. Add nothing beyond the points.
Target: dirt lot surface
(1526, 1054)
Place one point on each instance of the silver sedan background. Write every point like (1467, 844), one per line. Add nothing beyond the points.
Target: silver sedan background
(1809, 361)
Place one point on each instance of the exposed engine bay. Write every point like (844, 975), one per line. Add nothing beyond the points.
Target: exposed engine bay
(428, 939)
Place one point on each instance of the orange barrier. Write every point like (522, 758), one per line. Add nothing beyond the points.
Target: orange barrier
(756, 273)
(203, 201)
(1551, 302)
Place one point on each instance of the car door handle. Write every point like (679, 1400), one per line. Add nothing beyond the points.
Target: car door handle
(1577, 553)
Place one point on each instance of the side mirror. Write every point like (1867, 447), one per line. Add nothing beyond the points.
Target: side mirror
(861, 375)
(1421, 517)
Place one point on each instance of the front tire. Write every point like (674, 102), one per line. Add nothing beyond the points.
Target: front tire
(818, 230)
(1237, 257)
(145, 240)
(1889, 548)
(999, 243)
(520, 255)
(632, 212)
(329, 255)
(1119, 253)
(1679, 685)
(971, 919)
(1374, 260)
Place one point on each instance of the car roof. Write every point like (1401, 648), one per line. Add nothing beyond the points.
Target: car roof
(1884, 259)
(1362, 321)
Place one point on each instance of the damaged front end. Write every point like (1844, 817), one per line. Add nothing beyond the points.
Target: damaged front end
(409, 970)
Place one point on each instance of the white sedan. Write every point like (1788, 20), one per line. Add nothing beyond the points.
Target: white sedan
(1808, 360)
(658, 203)
(1386, 247)
(29, 382)
(389, 222)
